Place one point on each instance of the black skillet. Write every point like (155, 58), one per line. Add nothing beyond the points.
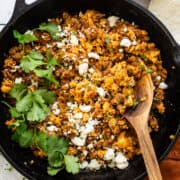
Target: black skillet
(27, 17)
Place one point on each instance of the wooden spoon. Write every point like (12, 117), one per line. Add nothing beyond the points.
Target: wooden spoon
(139, 120)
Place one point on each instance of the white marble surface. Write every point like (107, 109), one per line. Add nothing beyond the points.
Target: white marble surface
(167, 10)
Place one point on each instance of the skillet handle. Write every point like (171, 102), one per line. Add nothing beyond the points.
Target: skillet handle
(21, 7)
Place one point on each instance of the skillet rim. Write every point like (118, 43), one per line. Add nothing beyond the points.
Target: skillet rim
(139, 8)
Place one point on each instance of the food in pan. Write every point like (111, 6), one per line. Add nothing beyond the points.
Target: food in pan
(68, 84)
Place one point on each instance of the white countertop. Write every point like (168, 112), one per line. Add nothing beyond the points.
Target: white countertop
(168, 11)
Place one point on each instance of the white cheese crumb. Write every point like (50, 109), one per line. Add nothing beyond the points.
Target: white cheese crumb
(60, 44)
(85, 108)
(93, 55)
(94, 165)
(91, 70)
(15, 68)
(163, 85)
(112, 20)
(158, 78)
(55, 108)
(101, 92)
(83, 68)
(48, 45)
(84, 165)
(109, 155)
(52, 128)
(18, 80)
(78, 115)
(78, 141)
(71, 105)
(59, 28)
(29, 32)
(90, 146)
(121, 50)
(125, 29)
(74, 40)
(125, 42)
(111, 164)
(85, 152)
(134, 43)
(85, 60)
(81, 34)
(121, 161)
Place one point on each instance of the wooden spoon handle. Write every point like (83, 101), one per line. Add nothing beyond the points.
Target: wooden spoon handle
(149, 155)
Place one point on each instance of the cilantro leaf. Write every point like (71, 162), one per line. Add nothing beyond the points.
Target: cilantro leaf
(71, 164)
(31, 61)
(23, 136)
(25, 103)
(18, 91)
(48, 96)
(41, 140)
(46, 74)
(55, 159)
(51, 28)
(26, 139)
(107, 40)
(51, 61)
(36, 113)
(148, 70)
(55, 143)
(24, 38)
(53, 171)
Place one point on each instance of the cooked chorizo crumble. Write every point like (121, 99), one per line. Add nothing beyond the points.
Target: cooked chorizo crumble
(70, 81)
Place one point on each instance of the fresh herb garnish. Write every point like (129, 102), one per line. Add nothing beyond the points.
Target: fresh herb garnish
(143, 57)
(136, 103)
(27, 37)
(51, 61)
(34, 105)
(148, 70)
(31, 61)
(107, 40)
(51, 28)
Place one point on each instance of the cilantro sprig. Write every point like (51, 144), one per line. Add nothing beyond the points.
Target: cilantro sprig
(27, 37)
(33, 61)
(51, 28)
(33, 105)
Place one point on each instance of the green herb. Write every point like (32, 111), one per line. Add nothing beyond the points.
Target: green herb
(135, 104)
(104, 136)
(71, 164)
(57, 158)
(107, 40)
(110, 49)
(148, 70)
(51, 28)
(34, 105)
(31, 61)
(51, 61)
(23, 136)
(108, 115)
(47, 74)
(24, 38)
(142, 67)
(143, 57)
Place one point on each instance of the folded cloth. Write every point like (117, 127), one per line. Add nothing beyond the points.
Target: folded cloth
(170, 166)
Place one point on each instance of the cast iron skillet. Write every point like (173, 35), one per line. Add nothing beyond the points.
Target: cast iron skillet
(27, 17)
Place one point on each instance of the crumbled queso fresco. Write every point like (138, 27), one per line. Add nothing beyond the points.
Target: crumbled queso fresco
(96, 65)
